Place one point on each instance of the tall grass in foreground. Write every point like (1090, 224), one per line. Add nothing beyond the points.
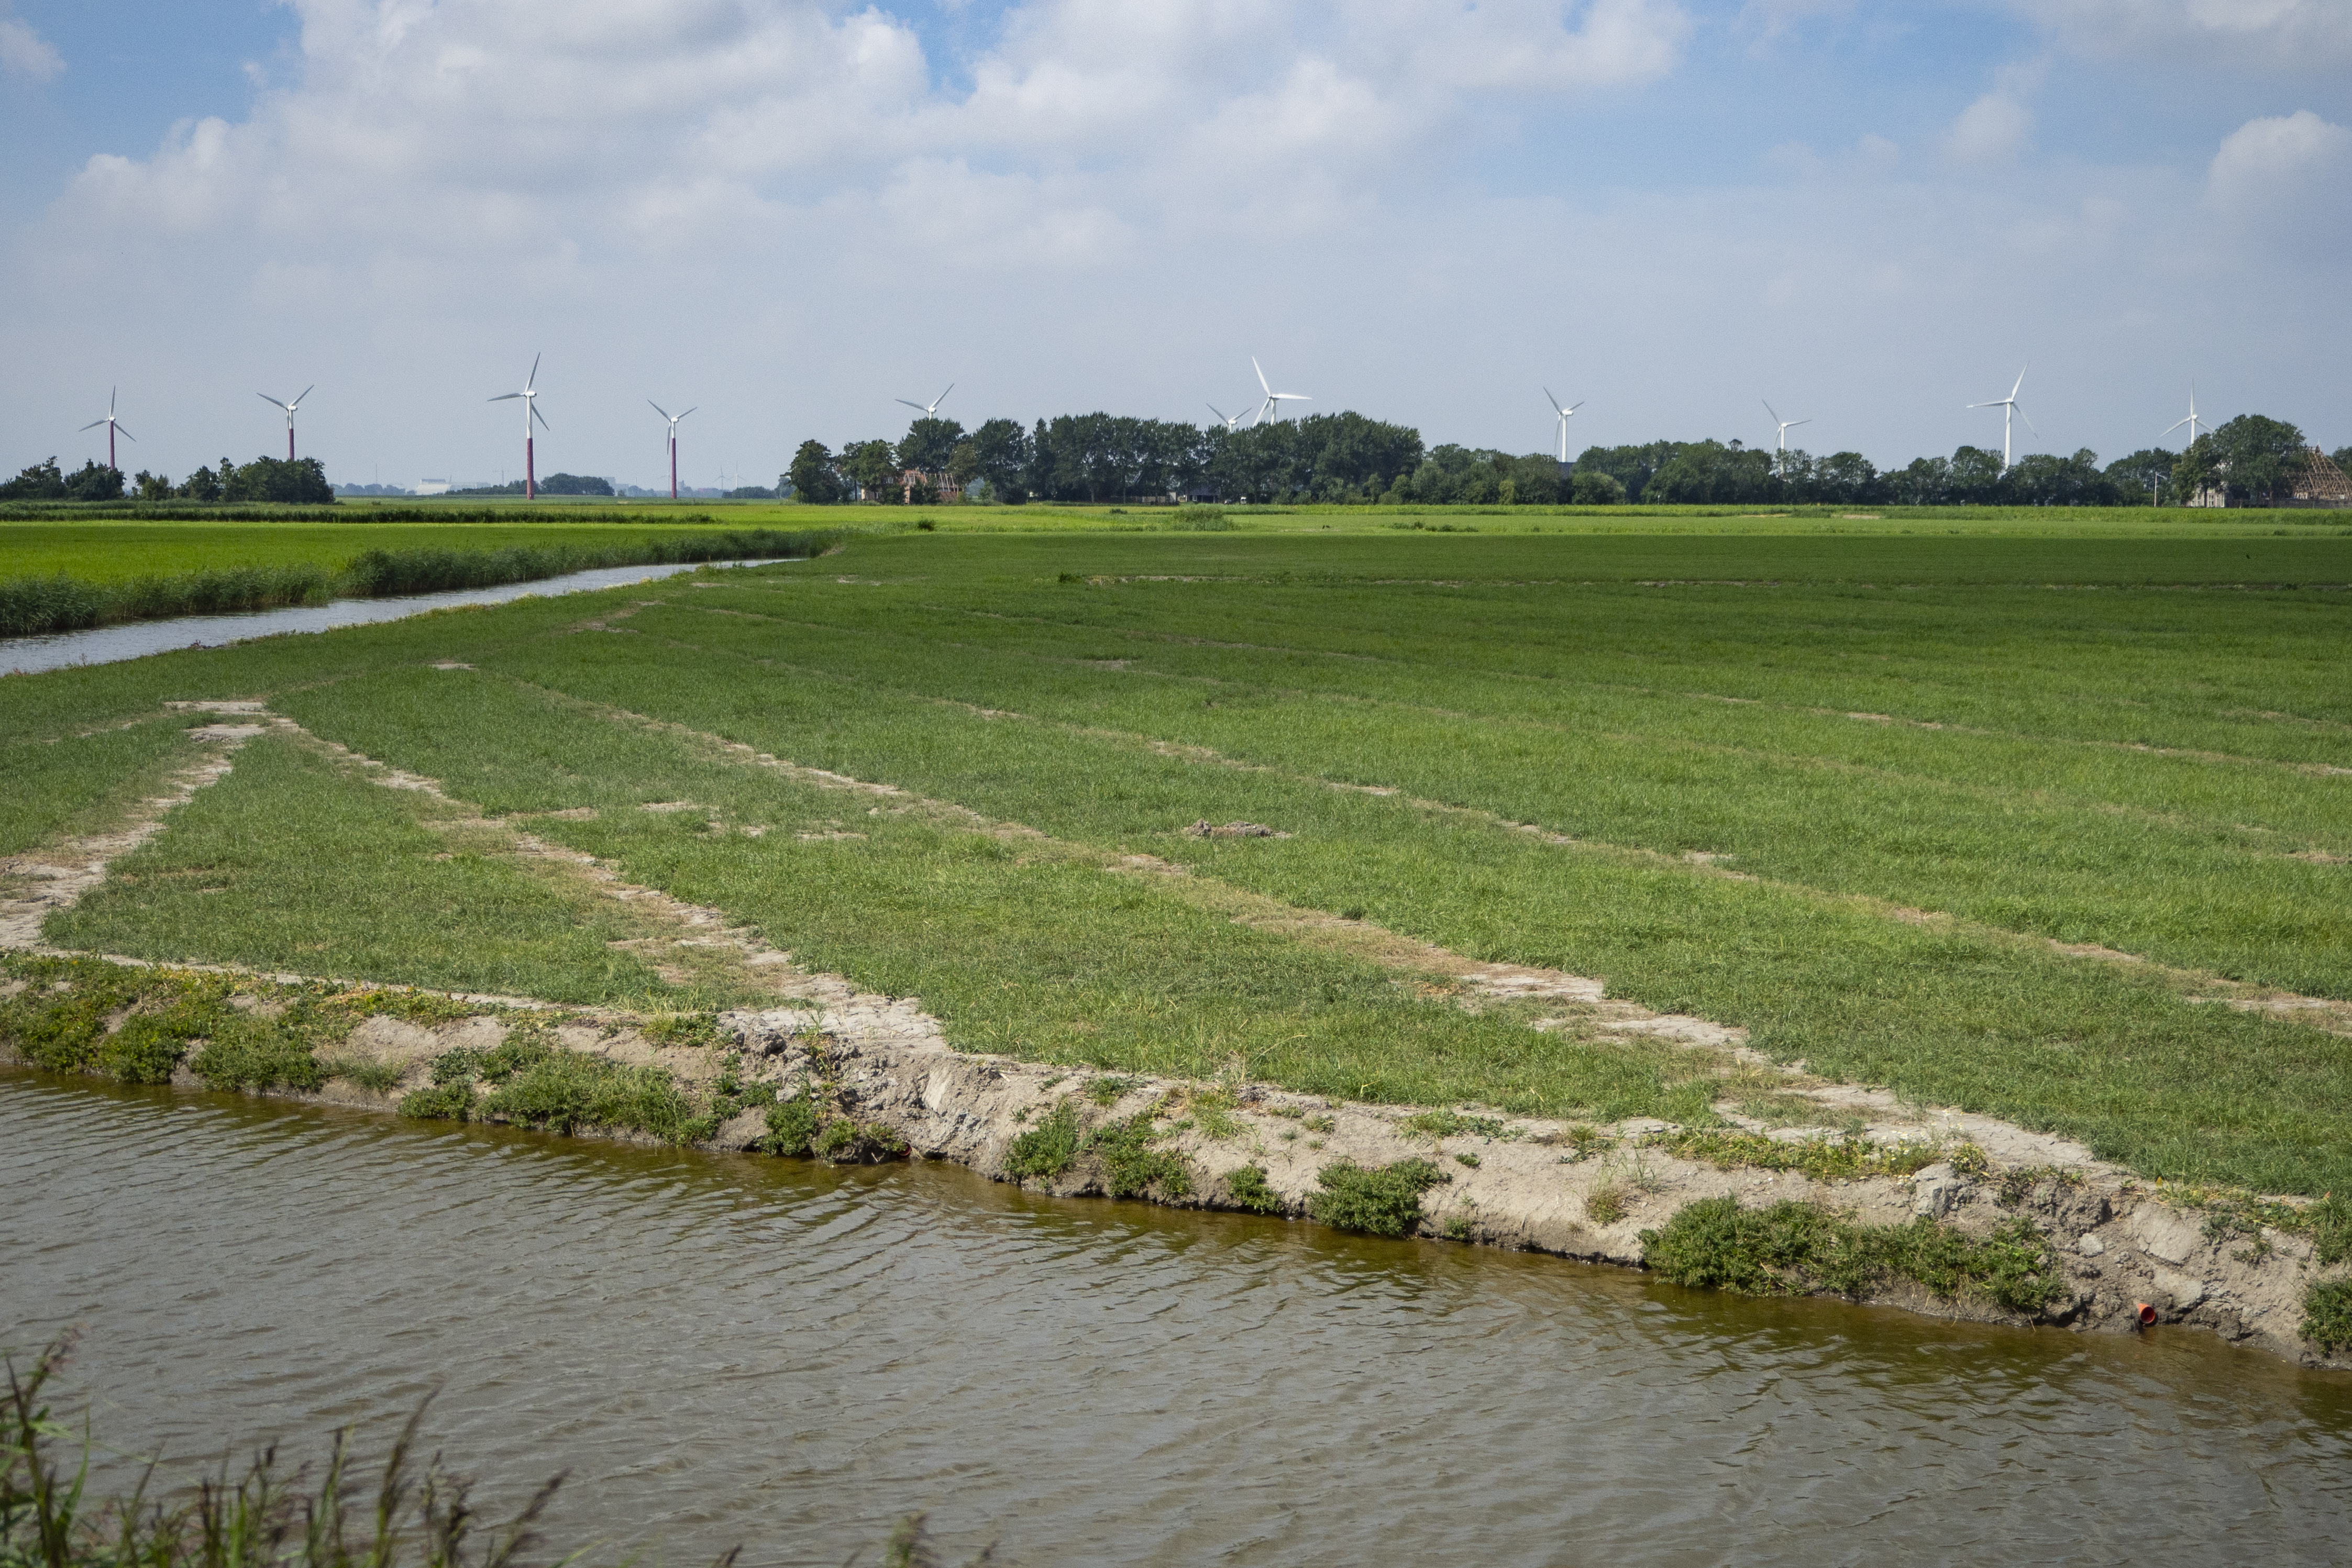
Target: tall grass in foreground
(35, 607)
(422, 1515)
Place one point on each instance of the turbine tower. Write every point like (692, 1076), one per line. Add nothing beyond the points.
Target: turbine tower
(2007, 406)
(1780, 452)
(1565, 416)
(112, 425)
(2193, 421)
(529, 412)
(289, 408)
(672, 419)
(1272, 407)
(1228, 420)
(929, 410)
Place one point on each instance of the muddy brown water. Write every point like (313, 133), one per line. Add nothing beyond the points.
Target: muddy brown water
(727, 1349)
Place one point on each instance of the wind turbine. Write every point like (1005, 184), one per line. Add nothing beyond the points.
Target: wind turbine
(2193, 421)
(2007, 406)
(1272, 407)
(1781, 451)
(1565, 416)
(929, 410)
(1229, 420)
(672, 419)
(529, 412)
(289, 408)
(112, 425)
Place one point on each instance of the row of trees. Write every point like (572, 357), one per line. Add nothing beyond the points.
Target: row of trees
(1109, 457)
(46, 481)
(302, 480)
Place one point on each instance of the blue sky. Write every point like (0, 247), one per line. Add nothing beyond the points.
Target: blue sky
(793, 215)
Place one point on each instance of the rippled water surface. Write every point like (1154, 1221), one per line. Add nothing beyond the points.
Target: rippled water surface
(766, 1352)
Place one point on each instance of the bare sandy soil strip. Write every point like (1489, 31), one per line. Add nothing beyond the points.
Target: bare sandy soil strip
(1523, 1183)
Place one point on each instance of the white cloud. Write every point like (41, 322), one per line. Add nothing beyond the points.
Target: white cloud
(1993, 129)
(2279, 34)
(2285, 179)
(25, 53)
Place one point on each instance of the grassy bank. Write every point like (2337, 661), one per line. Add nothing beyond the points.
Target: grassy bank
(35, 605)
(1858, 795)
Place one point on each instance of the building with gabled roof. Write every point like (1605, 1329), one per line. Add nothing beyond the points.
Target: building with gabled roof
(2320, 482)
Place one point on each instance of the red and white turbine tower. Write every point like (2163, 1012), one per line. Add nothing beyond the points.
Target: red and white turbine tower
(529, 412)
(289, 408)
(672, 419)
(112, 425)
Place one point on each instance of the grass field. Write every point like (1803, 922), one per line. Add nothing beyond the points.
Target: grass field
(1849, 792)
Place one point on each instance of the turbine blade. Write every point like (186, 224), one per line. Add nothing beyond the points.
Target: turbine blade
(506, 396)
(270, 400)
(1254, 365)
(1573, 407)
(1794, 423)
(657, 408)
(942, 398)
(535, 414)
(1555, 403)
(306, 392)
(1214, 409)
(2021, 382)
(92, 426)
(2174, 425)
(532, 379)
(690, 411)
(1768, 409)
(916, 406)
(122, 432)
(2029, 424)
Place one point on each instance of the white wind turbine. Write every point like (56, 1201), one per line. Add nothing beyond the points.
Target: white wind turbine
(529, 412)
(112, 425)
(1780, 453)
(2007, 406)
(2193, 421)
(929, 410)
(289, 408)
(672, 419)
(1272, 407)
(1565, 416)
(1228, 420)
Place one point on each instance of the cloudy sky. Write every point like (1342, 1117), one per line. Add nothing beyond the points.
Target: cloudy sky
(792, 214)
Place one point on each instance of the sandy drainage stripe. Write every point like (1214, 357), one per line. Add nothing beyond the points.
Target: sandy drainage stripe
(61, 874)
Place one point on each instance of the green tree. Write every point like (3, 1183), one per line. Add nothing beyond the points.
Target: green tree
(873, 466)
(931, 442)
(300, 479)
(202, 485)
(94, 481)
(2198, 470)
(963, 465)
(2259, 458)
(814, 478)
(2143, 478)
(1002, 447)
(1973, 477)
(1597, 487)
(152, 487)
(41, 482)
(2342, 459)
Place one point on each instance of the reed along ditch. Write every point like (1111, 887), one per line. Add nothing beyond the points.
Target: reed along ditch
(791, 1356)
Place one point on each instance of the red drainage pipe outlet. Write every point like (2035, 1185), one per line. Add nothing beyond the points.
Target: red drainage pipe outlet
(2143, 1314)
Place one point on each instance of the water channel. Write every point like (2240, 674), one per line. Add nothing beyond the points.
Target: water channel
(137, 640)
(727, 1349)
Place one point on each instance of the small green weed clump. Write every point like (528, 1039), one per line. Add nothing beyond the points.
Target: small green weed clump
(1382, 1201)
(1132, 1166)
(375, 1077)
(1453, 1124)
(1192, 519)
(1823, 1159)
(1109, 1090)
(684, 1029)
(1249, 1189)
(1047, 1148)
(1800, 1248)
(792, 1127)
(2327, 1315)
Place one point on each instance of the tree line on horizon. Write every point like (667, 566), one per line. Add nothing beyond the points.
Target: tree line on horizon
(1348, 457)
(300, 479)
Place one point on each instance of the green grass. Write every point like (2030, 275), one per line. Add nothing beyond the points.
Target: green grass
(2104, 740)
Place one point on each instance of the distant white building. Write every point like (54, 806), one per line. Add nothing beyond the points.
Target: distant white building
(433, 486)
